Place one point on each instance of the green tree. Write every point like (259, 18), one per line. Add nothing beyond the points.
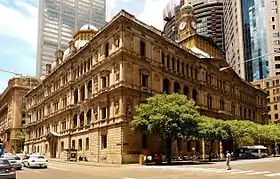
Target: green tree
(211, 129)
(242, 132)
(169, 117)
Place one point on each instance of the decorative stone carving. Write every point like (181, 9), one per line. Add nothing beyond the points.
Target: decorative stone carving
(157, 77)
(117, 40)
(95, 114)
(128, 110)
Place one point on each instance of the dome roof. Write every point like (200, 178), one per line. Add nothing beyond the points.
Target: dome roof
(88, 27)
(186, 6)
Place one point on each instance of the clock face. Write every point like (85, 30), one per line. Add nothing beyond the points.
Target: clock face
(193, 24)
(182, 25)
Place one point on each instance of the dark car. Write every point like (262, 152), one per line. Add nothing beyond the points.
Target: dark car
(7, 171)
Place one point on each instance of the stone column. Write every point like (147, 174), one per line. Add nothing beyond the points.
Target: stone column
(122, 112)
(99, 83)
(79, 94)
(111, 109)
(86, 91)
(203, 148)
(221, 150)
(98, 113)
(78, 120)
(112, 77)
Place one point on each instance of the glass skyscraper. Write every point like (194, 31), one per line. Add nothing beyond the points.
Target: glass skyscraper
(58, 19)
(255, 40)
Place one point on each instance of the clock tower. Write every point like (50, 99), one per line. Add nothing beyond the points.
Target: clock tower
(186, 22)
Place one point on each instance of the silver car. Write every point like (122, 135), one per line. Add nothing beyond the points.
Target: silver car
(7, 171)
(14, 160)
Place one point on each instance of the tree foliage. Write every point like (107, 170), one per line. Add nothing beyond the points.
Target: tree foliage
(168, 116)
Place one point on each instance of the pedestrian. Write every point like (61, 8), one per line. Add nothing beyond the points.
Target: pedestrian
(228, 157)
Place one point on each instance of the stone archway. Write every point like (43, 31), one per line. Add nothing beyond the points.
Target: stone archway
(52, 138)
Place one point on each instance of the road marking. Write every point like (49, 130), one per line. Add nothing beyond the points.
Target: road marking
(57, 168)
(241, 172)
(272, 174)
(258, 173)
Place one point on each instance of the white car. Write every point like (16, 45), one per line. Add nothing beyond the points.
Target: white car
(35, 161)
(14, 160)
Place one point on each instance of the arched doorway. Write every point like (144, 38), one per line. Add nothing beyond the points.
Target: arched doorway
(52, 138)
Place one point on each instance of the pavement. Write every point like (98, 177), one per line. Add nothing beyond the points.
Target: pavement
(248, 169)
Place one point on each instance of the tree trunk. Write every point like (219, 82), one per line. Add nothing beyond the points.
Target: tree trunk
(168, 150)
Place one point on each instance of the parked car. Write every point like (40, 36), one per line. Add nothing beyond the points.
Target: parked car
(35, 161)
(14, 160)
(7, 171)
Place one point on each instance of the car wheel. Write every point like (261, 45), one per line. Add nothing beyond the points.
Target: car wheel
(46, 167)
(28, 165)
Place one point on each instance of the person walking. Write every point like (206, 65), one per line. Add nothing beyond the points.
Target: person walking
(228, 158)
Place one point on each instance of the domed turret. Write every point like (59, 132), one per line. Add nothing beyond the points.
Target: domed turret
(186, 6)
(88, 27)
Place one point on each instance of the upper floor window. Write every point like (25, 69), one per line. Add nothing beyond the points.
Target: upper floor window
(107, 49)
(144, 78)
(222, 104)
(142, 48)
(162, 58)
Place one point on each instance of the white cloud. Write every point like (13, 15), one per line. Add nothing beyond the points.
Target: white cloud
(14, 24)
(152, 13)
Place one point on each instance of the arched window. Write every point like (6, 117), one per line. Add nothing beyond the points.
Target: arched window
(82, 92)
(88, 117)
(82, 119)
(176, 87)
(166, 86)
(76, 94)
(186, 91)
(194, 95)
(75, 121)
(222, 104)
(89, 89)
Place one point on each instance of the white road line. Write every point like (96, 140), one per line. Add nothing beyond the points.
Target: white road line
(258, 173)
(56, 168)
(272, 174)
(242, 172)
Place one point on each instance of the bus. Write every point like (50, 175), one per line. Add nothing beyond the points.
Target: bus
(251, 152)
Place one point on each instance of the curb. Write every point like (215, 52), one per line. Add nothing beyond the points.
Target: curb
(91, 164)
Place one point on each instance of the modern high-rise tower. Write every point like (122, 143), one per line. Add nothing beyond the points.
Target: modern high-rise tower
(252, 37)
(58, 19)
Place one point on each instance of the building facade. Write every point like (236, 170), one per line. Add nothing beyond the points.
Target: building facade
(57, 22)
(272, 86)
(252, 38)
(12, 112)
(89, 96)
(209, 15)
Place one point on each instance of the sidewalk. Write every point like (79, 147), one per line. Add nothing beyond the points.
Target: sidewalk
(90, 163)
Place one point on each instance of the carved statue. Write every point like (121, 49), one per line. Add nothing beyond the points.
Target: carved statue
(117, 41)
(128, 109)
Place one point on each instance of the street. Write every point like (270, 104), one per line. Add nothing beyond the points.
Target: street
(250, 169)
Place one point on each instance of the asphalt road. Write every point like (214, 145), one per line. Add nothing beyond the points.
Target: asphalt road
(253, 169)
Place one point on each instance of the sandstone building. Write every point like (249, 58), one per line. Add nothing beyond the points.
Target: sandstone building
(12, 112)
(88, 96)
(272, 86)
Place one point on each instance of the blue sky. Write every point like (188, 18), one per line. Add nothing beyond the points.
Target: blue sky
(18, 30)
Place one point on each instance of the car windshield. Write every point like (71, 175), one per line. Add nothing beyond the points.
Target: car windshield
(38, 157)
(12, 157)
(4, 162)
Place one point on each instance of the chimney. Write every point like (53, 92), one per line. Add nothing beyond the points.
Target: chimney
(58, 56)
(48, 68)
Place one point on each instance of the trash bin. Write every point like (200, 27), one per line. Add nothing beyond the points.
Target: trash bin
(141, 159)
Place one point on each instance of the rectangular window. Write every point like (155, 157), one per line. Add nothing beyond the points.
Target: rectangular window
(142, 48)
(277, 66)
(277, 58)
(276, 116)
(104, 81)
(103, 141)
(273, 27)
(62, 146)
(73, 144)
(87, 143)
(162, 58)
(106, 49)
(272, 19)
(144, 79)
(275, 107)
(103, 113)
(80, 144)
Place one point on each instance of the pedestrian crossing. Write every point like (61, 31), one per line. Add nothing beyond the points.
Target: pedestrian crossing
(217, 170)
